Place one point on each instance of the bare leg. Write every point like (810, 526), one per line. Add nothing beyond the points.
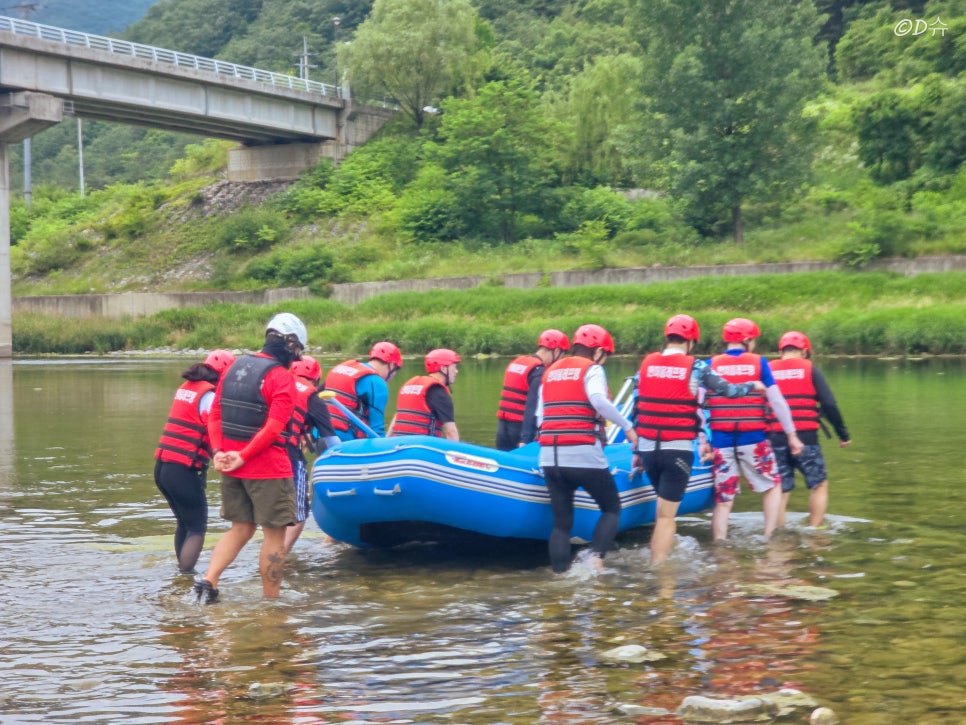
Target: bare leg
(771, 503)
(719, 520)
(818, 504)
(227, 549)
(662, 538)
(271, 560)
(292, 534)
(781, 514)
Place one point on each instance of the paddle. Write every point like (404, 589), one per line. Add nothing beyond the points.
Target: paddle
(329, 397)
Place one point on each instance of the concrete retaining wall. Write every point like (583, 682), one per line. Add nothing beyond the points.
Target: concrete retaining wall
(358, 291)
(140, 304)
(135, 304)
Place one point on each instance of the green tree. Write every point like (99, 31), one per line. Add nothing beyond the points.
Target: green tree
(497, 150)
(947, 148)
(274, 39)
(726, 83)
(889, 126)
(600, 102)
(413, 51)
(200, 28)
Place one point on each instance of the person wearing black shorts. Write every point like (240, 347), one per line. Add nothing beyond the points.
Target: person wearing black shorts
(668, 422)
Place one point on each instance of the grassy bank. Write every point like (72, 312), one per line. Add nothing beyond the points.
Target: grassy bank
(854, 313)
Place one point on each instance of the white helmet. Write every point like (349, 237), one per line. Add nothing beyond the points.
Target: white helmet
(285, 323)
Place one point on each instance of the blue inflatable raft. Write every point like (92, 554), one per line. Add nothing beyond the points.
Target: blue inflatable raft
(390, 491)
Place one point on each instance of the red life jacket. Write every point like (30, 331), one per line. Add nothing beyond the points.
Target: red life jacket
(568, 417)
(304, 389)
(413, 416)
(185, 437)
(667, 410)
(737, 414)
(793, 376)
(513, 400)
(342, 381)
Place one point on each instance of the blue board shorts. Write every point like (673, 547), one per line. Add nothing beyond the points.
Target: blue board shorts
(810, 462)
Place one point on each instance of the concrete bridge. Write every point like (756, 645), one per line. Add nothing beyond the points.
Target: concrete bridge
(283, 124)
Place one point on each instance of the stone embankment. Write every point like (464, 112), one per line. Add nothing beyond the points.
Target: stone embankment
(137, 304)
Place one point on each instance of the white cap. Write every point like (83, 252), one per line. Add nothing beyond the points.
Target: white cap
(286, 323)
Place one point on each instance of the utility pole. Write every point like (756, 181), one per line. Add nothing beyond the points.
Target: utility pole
(25, 9)
(336, 22)
(80, 156)
(304, 60)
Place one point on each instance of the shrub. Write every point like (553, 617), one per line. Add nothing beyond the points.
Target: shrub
(252, 229)
(209, 156)
(428, 210)
(48, 252)
(304, 196)
(589, 243)
(136, 212)
(600, 204)
(19, 221)
(313, 266)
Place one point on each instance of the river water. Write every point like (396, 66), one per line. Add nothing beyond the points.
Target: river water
(96, 625)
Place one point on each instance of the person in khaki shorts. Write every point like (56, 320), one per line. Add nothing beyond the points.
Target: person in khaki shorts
(253, 405)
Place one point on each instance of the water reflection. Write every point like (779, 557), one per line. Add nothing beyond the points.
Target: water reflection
(7, 443)
(96, 626)
(235, 665)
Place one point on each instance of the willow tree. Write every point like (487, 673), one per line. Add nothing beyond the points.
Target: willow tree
(413, 51)
(600, 102)
(726, 83)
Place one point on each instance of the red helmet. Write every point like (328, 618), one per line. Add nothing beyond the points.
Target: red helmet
(683, 326)
(440, 358)
(219, 360)
(594, 336)
(793, 338)
(387, 352)
(307, 367)
(740, 329)
(553, 340)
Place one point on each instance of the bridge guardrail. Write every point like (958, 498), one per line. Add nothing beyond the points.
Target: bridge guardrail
(147, 52)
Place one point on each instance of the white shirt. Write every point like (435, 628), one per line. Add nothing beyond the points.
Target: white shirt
(584, 456)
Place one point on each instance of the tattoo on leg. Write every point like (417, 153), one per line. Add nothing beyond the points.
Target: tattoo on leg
(276, 563)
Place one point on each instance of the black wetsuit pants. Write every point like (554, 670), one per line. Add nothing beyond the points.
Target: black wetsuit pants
(563, 484)
(184, 490)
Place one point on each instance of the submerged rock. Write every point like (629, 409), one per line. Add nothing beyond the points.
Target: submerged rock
(794, 591)
(642, 711)
(266, 690)
(700, 709)
(823, 716)
(631, 654)
(750, 709)
(788, 700)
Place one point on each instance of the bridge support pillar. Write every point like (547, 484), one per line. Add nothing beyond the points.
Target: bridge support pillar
(21, 116)
(275, 162)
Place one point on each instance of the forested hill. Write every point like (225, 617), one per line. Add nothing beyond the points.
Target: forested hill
(534, 135)
(101, 17)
